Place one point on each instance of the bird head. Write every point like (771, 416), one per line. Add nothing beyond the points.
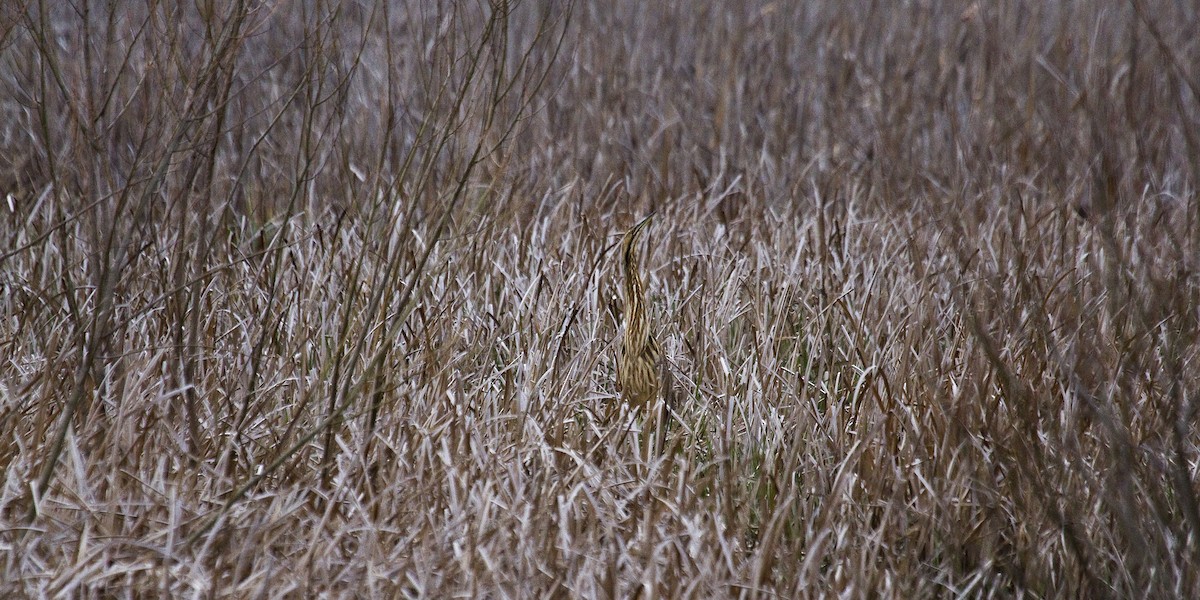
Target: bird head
(629, 245)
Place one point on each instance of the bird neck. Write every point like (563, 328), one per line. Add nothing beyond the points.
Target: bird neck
(635, 303)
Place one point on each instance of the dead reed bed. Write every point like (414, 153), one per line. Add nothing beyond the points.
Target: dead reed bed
(315, 299)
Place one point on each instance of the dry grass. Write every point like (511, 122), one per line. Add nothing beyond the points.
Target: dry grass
(311, 298)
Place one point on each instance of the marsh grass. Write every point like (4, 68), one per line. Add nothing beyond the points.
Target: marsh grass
(312, 298)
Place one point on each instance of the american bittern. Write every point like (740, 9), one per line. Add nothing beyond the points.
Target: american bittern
(639, 364)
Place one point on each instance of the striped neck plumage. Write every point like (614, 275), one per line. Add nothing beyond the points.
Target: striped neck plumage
(635, 299)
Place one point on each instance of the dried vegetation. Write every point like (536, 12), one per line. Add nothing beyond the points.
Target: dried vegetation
(312, 298)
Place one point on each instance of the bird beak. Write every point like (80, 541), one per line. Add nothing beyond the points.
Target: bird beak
(642, 224)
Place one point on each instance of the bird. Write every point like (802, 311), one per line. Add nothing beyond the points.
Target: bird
(640, 363)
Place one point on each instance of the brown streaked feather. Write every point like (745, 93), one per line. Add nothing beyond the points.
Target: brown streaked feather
(641, 369)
